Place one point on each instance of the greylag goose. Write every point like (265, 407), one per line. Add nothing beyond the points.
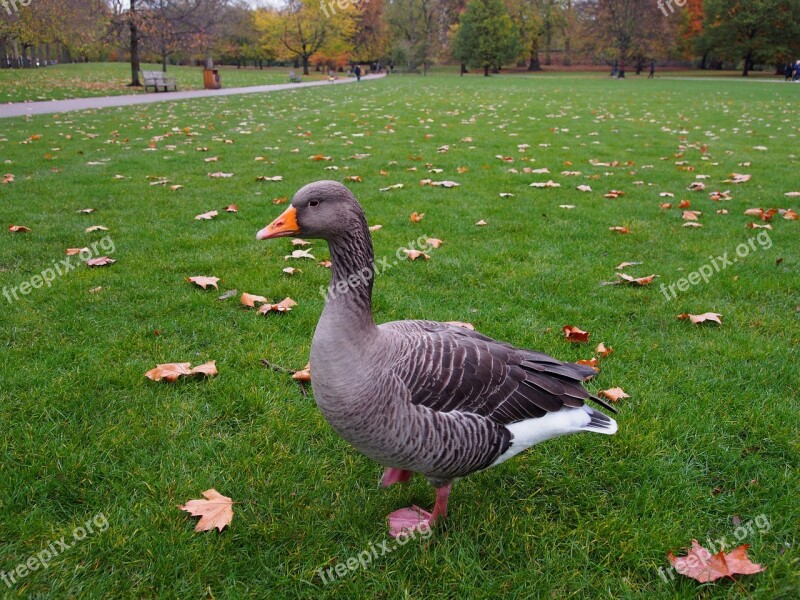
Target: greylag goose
(420, 396)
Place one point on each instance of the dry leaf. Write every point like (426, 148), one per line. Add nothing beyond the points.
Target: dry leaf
(375, 227)
(76, 251)
(613, 394)
(415, 254)
(18, 229)
(284, 305)
(584, 188)
(602, 350)
(433, 242)
(206, 216)
(691, 215)
(85, 211)
(215, 511)
(172, 371)
(203, 281)
(573, 334)
(701, 565)
(545, 184)
(95, 228)
(231, 208)
(100, 261)
(592, 362)
(396, 186)
(738, 178)
(416, 217)
(291, 270)
(481, 223)
(619, 229)
(251, 299)
(709, 316)
(299, 254)
(300, 242)
(624, 265)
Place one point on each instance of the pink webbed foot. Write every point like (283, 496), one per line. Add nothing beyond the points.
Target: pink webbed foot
(408, 520)
(392, 475)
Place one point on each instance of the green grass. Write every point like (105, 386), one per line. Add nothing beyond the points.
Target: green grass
(111, 79)
(709, 433)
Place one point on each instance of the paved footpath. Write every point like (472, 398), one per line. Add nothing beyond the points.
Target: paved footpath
(21, 109)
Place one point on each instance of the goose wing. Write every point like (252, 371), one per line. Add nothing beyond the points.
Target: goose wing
(449, 368)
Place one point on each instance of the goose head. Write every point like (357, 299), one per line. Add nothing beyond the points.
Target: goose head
(324, 210)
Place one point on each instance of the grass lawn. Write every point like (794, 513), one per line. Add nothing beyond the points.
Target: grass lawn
(110, 79)
(708, 440)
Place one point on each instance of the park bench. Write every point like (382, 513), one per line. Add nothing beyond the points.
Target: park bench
(294, 77)
(159, 81)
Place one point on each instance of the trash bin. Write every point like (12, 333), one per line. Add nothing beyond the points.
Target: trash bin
(211, 79)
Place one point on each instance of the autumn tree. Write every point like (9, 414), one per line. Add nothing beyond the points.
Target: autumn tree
(414, 25)
(486, 37)
(370, 38)
(752, 31)
(302, 28)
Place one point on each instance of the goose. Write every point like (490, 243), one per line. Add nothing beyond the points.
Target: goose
(423, 397)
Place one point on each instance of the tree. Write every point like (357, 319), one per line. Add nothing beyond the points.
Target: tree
(302, 28)
(487, 37)
(370, 35)
(754, 31)
(414, 23)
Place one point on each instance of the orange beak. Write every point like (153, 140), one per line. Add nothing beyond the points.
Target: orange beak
(284, 225)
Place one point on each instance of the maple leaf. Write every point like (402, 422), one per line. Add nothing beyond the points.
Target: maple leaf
(613, 394)
(414, 254)
(299, 254)
(602, 350)
(215, 511)
(267, 178)
(573, 334)
(701, 565)
(231, 208)
(691, 215)
(757, 226)
(665, 205)
(284, 305)
(18, 229)
(684, 204)
(592, 362)
(100, 261)
(172, 371)
(416, 217)
(709, 316)
(203, 281)
(790, 215)
(251, 299)
(433, 242)
(9, 178)
(207, 216)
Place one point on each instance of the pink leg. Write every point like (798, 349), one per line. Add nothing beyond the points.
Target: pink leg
(392, 475)
(407, 520)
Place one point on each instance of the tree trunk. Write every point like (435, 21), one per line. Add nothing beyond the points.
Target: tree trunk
(535, 65)
(134, 46)
(486, 71)
(748, 64)
(163, 59)
(305, 64)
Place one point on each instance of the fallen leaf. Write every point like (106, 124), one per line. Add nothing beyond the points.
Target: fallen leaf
(291, 270)
(175, 188)
(9, 178)
(95, 228)
(18, 229)
(591, 362)
(701, 565)
(433, 242)
(414, 254)
(696, 186)
(215, 511)
(304, 374)
(231, 208)
(172, 371)
(100, 261)
(220, 175)
(445, 184)
(325, 263)
(738, 178)
(602, 350)
(481, 223)
(624, 265)
(228, 294)
(251, 299)
(375, 227)
(757, 226)
(584, 188)
(267, 178)
(299, 254)
(684, 204)
(545, 184)
(416, 217)
(691, 215)
(709, 316)
(85, 211)
(692, 224)
(573, 334)
(619, 229)
(614, 394)
(203, 281)
(300, 242)
(207, 216)
(284, 305)
(76, 251)
(396, 186)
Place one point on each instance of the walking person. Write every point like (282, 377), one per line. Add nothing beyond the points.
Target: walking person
(652, 70)
(357, 71)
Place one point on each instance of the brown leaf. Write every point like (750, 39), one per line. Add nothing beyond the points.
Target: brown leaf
(75, 251)
(207, 216)
(637, 280)
(613, 394)
(220, 175)
(100, 261)
(284, 305)
(172, 371)
(415, 254)
(624, 265)
(691, 215)
(95, 228)
(592, 362)
(203, 281)
(684, 204)
(573, 334)
(433, 242)
(251, 299)
(417, 217)
(619, 229)
(231, 208)
(602, 350)
(701, 565)
(215, 511)
(709, 316)
(18, 229)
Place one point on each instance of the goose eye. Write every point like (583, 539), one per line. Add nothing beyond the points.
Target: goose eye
(314, 203)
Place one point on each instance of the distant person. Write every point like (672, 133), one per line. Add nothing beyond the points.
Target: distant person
(787, 71)
(391, 66)
(357, 71)
(652, 70)
(797, 71)
(615, 69)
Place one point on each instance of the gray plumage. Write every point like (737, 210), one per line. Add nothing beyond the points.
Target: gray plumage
(422, 396)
